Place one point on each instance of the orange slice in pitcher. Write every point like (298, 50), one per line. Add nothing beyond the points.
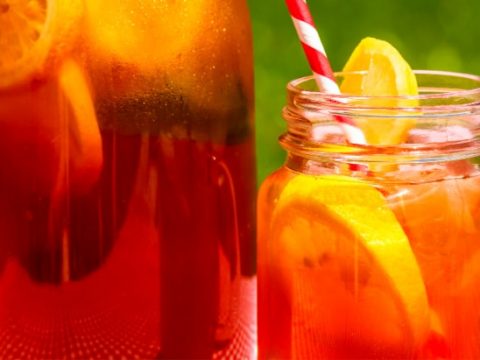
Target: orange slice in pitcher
(354, 275)
(381, 71)
(53, 133)
(34, 33)
(145, 33)
(85, 143)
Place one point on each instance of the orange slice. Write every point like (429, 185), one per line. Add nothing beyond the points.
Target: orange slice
(31, 34)
(442, 221)
(144, 32)
(85, 144)
(50, 135)
(434, 229)
(461, 312)
(354, 275)
(385, 73)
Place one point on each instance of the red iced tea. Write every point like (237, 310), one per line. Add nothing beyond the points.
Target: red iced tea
(373, 252)
(127, 180)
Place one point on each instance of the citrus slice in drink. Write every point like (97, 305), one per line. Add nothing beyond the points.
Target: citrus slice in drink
(376, 68)
(34, 33)
(434, 228)
(145, 33)
(442, 221)
(52, 129)
(85, 143)
(353, 277)
(461, 314)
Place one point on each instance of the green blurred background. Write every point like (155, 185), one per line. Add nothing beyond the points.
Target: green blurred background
(431, 34)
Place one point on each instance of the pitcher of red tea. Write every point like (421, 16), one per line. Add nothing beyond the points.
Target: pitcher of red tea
(127, 179)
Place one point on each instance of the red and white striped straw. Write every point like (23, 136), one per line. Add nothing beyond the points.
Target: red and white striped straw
(317, 58)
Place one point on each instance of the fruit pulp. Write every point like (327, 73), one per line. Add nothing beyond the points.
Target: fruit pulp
(127, 183)
(331, 304)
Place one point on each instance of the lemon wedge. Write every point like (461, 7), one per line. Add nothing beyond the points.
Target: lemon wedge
(354, 267)
(34, 33)
(386, 73)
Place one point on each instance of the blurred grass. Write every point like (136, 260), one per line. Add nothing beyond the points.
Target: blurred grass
(431, 34)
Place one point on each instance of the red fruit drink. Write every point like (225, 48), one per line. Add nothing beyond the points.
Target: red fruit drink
(127, 180)
(379, 260)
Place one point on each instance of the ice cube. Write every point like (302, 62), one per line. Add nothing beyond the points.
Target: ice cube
(444, 134)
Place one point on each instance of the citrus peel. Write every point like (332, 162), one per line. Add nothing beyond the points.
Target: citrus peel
(341, 232)
(376, 69)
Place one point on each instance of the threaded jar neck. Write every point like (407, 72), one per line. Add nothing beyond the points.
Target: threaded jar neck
(444, 121)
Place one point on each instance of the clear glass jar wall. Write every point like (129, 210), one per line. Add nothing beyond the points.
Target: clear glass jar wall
(374, 251)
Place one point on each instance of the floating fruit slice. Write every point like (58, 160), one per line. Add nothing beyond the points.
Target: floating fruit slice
(85, 144)
(450, 209)
(436, 345)
(385, 73)
(460, 313)
(442, 221)
(31, 34)
(144, 32)
(49, 134)
(351, 264)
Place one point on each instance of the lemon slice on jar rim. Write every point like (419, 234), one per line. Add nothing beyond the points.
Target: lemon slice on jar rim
(375, 68)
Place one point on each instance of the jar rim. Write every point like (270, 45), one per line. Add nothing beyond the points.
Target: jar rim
(446, 115)
(295, 88)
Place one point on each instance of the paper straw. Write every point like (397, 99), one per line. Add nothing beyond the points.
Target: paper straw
(319, 64)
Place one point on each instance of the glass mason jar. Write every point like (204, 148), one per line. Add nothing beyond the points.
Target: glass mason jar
(127, 179)
(369, 251)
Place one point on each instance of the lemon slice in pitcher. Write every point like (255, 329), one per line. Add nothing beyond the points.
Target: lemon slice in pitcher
(34, 33)
(354, 267)
(386, 74)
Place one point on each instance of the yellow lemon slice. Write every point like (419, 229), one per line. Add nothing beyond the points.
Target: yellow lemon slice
(386, 74)
(145, 33)
(31, 32)
(354, 275)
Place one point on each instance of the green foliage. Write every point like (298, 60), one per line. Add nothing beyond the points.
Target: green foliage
(430, 34)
